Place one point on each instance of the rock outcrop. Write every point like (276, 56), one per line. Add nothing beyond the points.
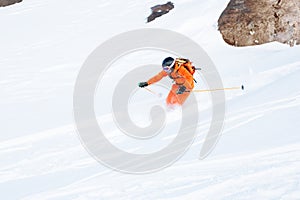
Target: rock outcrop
(8, 2)
(254, 22)
(160, 10)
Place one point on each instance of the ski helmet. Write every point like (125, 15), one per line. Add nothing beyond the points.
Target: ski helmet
(168, 63)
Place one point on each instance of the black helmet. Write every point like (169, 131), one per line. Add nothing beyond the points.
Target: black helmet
(168, 63)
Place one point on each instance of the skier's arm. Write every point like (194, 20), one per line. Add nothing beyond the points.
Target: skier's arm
(157, 77)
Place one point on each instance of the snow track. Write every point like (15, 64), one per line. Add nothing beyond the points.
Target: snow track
(41, 157)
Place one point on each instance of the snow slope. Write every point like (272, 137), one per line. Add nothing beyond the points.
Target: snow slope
(43, 45)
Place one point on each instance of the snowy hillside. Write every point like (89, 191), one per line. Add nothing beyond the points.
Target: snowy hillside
(43, 47)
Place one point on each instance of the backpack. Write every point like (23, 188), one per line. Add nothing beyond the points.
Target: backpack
(186, 63)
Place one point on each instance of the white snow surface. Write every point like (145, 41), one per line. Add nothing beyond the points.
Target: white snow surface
(43, 45)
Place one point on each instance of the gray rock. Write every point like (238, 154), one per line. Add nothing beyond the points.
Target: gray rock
(160, 10)
(8, 2)
(254, 22)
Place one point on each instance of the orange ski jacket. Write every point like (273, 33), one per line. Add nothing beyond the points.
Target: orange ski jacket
(179, 74)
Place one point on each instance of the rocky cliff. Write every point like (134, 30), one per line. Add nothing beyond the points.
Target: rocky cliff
(254, 22)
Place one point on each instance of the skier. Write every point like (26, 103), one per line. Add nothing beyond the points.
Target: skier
(181, 71)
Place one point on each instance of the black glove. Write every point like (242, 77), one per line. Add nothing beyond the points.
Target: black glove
(181, 90)
(143, 84)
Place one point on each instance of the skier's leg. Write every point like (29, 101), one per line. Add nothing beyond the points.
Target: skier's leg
(182, 97)
(172, 98)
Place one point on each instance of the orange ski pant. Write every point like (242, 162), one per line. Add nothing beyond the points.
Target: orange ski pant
(174, 98)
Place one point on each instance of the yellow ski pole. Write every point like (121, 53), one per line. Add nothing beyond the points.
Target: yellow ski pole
(159, 95)
(212, 90)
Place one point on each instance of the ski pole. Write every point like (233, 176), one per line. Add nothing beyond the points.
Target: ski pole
(151, 91)
(217, 89)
